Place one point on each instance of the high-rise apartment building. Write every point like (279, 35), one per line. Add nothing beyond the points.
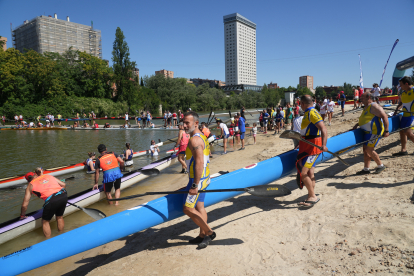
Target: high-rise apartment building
(166, 73)
(240, 50)
(5, 42)
(306, 81)
(49, 34)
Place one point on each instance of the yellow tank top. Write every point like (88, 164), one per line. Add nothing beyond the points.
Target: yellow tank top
(407, 99)
(189, 159)
(370, 123)
(59, 116)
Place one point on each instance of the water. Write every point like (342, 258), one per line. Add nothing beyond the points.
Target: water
(25, 150)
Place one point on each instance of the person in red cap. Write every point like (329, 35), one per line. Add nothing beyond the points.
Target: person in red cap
(53, 192)
(342, 98)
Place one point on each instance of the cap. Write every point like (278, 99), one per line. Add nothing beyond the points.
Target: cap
(189, 108)
(101, 148)
(342, 91)
(29, 174)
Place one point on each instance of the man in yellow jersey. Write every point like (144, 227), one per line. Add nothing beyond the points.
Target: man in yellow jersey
(374, 122)
(406, 100)
(59, 119)
(312, 129)
(197, 160)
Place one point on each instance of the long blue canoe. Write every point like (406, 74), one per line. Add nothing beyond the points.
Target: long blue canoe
(162, 209)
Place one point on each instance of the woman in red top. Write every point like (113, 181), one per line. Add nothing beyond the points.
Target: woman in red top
(174, 116)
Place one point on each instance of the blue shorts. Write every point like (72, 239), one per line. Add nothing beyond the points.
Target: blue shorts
(182, 152)
(372, 143)
(242, 135)
(225, 136)
(342, 104)
(406, 121)
(191, 200)
(139, 119)
(309, 161)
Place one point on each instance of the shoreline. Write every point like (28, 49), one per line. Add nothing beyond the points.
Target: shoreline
(362, 223)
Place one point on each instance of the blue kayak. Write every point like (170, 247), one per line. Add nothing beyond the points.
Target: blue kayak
(163, 209)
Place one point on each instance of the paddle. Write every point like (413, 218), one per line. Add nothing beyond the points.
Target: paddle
(262, 190)
(290, 134)
(361, 143)
(212, 117)
(209, 116)
(93, 213)
(230, 114)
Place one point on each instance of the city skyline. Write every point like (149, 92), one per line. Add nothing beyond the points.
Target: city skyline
(190, 43)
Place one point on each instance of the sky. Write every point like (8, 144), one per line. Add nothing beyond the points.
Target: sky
(294, 38)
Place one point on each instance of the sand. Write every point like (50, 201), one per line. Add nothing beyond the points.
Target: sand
(363, 224)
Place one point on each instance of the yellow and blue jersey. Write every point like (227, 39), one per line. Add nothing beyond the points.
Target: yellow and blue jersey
(309, 121)
(407, 99)
(189, 159)
(370, 123)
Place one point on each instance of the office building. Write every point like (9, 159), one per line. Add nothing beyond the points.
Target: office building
(212, 83)
(240, 50)
(166, 73)
(50, 34)
(272, 85)
(306, 81)
(5, 42)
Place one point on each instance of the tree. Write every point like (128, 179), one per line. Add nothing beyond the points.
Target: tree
(2, 42)
(122, 67)
(142, 82)
(319, 92)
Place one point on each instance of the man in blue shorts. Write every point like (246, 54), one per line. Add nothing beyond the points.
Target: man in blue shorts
(374, 122)
(197, 160)
(342, 98)
(242, 130)
(406, 100)
(313, 130)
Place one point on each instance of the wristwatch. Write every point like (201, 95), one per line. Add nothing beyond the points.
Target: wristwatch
(194, 185)
(386, 131)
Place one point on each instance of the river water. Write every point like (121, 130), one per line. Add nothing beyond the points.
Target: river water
(22, 151)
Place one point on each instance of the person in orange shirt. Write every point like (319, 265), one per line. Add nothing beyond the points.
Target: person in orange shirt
(112, 165)
(53, 192)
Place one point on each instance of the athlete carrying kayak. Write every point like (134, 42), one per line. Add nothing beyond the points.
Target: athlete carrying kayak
(108, 162)
(197, 159)
(374, 122)
(312, 129)
(53, 192)
(406, 100)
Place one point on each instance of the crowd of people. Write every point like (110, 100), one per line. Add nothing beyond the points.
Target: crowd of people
(194, 153)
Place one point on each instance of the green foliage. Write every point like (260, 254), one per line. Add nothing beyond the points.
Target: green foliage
(319, 92)
(126, 90)
(67, 108)
(347, 88)
(2, 42)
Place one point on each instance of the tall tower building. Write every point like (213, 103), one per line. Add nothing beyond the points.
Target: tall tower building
(49, 34)
(306, 81)
(240, 50)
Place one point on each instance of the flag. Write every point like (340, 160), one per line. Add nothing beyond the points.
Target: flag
(395, 43)
(361, 79)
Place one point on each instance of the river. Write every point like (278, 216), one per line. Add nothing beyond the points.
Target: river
(24, 150)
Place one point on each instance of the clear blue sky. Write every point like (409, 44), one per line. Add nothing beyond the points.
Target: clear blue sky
(294, 38)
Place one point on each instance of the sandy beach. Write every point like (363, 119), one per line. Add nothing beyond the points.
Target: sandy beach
(363, 224)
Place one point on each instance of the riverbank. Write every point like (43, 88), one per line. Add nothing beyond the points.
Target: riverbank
(361, 224)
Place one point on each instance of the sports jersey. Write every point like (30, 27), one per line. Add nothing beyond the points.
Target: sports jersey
(189, 159)
(407, 99)
(376, 91)
(224, 128)
(369, 122)
(309, 121)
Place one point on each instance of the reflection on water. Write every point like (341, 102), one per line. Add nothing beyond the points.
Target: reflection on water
(24, 150)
